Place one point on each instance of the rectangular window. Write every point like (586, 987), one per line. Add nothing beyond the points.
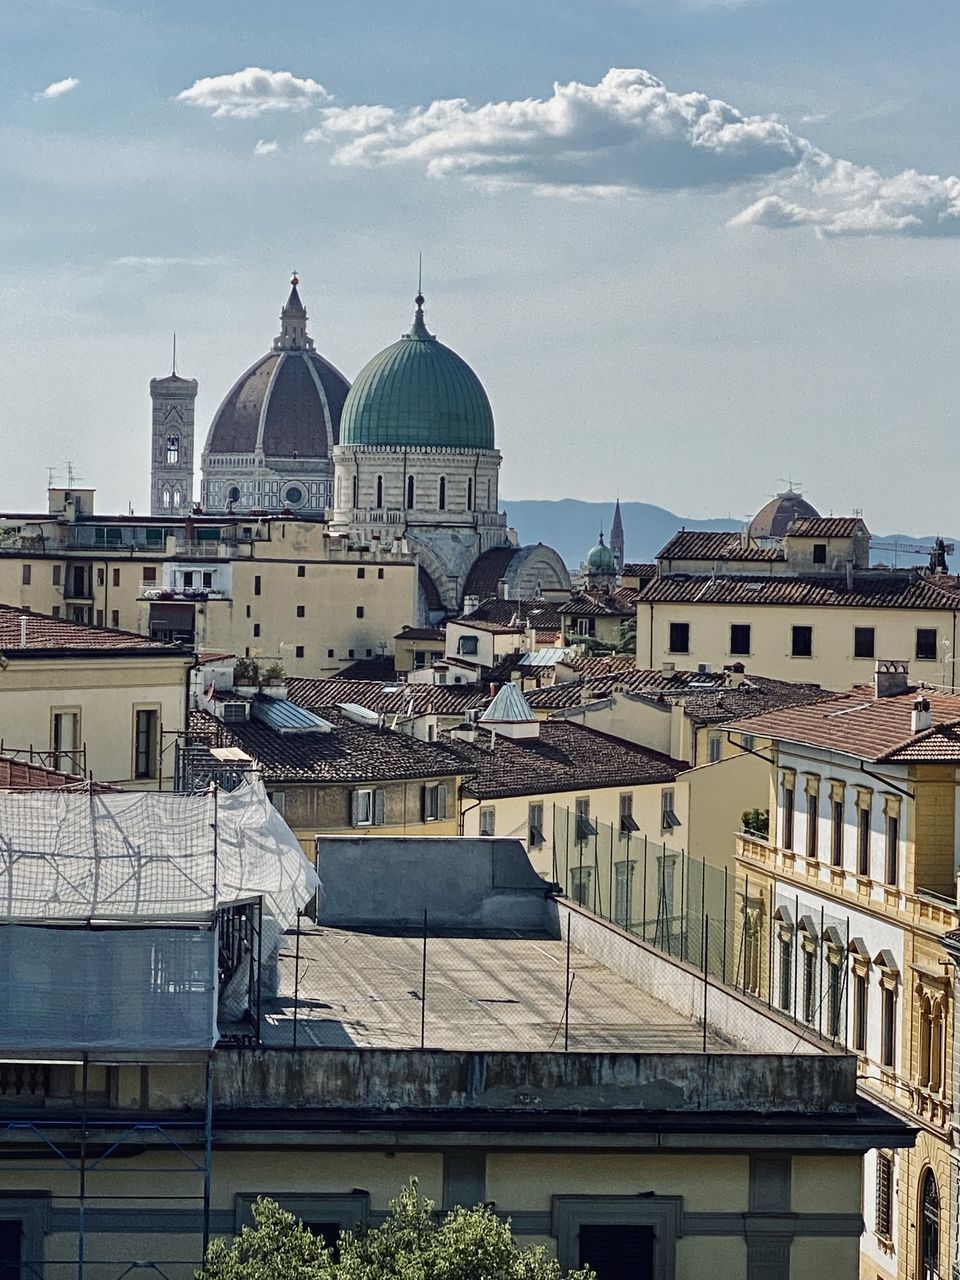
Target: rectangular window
(581, 885)
(535, 826)
(434, 802)
(149, 573)
(834, 998)
(836, 833)
(926, 643)
(786, 973)
(115, 617)
(298, 651)
(802, 642)
(359, 610)
(888, 1041)
(788, 809)
(467, 646)
(99, 617)
(747, 741)
(65, 740)
(488, 822)
(301, 611)
(584, 827)
(819, 553)
(145, 744)
(740, 637)
(188, 581)
(860, 1012)
(891, 861)
(256, 630)
(809, 984)
(813, 818)
(362, 807)
(623, 893)
(330, 653)
(79, 585)
(207, 581)
(884, 1211)
(863, 842)
(25, 575)
(668, 816)
(361, 572)
(627, 821)
(56, 575)
(864, 642)
(679, 637)
(380, 574)
(55, 611)
(116, 577)
(11, 1251)
(714, 745)
(256, 584)
(301, 570)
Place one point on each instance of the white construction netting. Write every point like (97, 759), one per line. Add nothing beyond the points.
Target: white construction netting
(77, 854)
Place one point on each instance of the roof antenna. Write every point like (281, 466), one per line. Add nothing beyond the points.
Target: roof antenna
(174, 374)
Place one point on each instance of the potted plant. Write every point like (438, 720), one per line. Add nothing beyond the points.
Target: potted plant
(245, 673)
(273, 681)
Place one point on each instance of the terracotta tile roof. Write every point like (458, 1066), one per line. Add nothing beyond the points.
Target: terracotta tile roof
(539, 614)
(859, 724)
(24, 775)
(620, 603)
(352, 753)
(565, 757)
(498, 628)
(421, 633)
(709, 544)
(827, 527)
(444, 699)
(755, 695)
(45, 634)
(884, 589)
(639, 570)
(588, 667)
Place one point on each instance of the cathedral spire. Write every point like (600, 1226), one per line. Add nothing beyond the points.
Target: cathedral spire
(293, 322)
(616, 538)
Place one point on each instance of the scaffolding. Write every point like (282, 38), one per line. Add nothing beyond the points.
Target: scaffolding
(134, 927)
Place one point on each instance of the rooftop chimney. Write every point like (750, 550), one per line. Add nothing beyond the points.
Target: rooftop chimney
(921, 717)
(890, 678)
(669, 668)
(470, 605)
(23, 631)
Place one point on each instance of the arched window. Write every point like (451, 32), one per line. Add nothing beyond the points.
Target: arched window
(379, 492)
(173, 451)
(356, 491)
(470, 494)
(409, 493)
(442, 499)
(925, 1022)
(165, 499)
(177, 499)
(936, 1046)
(929, 1228)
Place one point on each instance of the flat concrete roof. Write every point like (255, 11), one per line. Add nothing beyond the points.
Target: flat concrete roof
(361, 987)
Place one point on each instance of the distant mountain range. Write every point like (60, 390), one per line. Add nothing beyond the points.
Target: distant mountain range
(573, 527)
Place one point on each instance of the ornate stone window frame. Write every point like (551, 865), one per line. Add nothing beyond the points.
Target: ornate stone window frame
(34, 1214)
(350, 1208)
(663, 1213)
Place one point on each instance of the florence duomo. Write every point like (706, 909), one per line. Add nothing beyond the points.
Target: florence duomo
(405, 455)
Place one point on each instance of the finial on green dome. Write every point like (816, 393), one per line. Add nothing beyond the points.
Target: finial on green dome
(418, 329)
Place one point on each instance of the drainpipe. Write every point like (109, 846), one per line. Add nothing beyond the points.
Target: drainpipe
(650, 663)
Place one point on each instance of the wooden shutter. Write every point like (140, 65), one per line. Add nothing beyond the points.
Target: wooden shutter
(441, 800)
(354, 809)
(379, 806)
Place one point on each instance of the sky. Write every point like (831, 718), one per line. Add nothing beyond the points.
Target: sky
(694, 249)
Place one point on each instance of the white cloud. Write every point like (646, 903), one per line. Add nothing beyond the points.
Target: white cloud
(253, 91)
(147, 260)
(264, 148)
(58, 88)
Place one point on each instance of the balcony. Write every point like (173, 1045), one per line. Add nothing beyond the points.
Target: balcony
(187, 595)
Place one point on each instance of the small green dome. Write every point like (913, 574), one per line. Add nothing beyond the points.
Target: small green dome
(417, 393)
(600, 558)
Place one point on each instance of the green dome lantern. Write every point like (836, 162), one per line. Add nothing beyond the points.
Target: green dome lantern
(417, 393)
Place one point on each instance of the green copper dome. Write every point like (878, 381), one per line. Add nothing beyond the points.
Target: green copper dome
(600, 558)
(417, 393)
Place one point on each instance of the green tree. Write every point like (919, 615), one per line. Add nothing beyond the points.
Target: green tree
(465, 1244)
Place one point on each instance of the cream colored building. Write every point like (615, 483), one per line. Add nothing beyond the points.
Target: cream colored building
(107, 704)
(845, 906)
(278, 587)
(804, 607)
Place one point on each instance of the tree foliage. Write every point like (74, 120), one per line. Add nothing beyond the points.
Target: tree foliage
(412, 1244)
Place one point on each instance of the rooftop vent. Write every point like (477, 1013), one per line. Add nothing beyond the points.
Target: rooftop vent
(890, 678)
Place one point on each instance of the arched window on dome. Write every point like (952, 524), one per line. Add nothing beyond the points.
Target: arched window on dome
(470, 494)
(442, 496)
(173, 450)
(356, 491)
(410, 493)
(379, 492)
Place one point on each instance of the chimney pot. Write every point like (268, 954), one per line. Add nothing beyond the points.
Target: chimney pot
(921, 718)
(890, 678)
